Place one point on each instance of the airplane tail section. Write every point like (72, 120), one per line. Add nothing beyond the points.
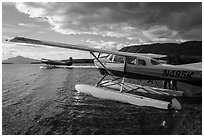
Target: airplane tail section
(70, 61)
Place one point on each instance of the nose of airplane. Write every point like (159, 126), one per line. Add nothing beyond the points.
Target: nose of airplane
(15, 39)
(8, 39)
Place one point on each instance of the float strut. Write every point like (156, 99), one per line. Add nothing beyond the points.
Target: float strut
(101, 80)
(121, 87)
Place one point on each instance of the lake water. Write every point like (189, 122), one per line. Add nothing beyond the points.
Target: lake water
(44, 101)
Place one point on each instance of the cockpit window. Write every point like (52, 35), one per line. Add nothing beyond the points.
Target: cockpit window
(141, 62)
(131, 60)
(110, 57)
(154, 62)
(119, 59)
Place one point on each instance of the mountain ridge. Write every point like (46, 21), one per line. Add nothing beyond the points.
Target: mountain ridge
(20, 60)
(189, 48)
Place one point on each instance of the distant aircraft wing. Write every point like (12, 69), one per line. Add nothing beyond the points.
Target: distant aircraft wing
(45, 59)
(70, 46)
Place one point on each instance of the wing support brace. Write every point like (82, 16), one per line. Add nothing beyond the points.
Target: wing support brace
(101, 64)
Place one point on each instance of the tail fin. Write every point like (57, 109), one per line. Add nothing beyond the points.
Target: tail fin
(70, 61)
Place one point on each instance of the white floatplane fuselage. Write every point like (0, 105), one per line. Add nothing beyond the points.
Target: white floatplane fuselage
(148, 68)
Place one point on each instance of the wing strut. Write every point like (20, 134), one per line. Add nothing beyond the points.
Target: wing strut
(101, 64)
(101, 80)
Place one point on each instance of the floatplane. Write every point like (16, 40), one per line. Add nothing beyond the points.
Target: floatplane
(52, 63)
(123, 65)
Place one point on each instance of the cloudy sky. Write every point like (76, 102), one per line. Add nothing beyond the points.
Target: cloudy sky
(101, 25)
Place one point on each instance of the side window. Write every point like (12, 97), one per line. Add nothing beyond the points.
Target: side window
(154, 62)
(131, 60)
(119, 59)
(110, 57)
(141, 62)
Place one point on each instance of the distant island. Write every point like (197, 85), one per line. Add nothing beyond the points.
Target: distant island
(190, 52)
(20, 60)
(6, 63)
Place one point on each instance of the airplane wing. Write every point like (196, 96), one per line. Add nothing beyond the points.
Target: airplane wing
(194, 66)
(45, 59)
(70, 46)
(86, 48)
(151, 55)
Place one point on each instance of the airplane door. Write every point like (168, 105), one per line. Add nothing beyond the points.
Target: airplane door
(134, 64)
(118, 63)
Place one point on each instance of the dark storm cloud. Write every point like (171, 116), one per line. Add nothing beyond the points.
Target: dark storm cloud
(175, 15)
(146, 21)
(184, 17)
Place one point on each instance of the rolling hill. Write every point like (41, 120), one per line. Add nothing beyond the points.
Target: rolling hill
(20, 60)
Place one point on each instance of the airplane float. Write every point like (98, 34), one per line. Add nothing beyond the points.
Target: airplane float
(123, 65)
(52, 63)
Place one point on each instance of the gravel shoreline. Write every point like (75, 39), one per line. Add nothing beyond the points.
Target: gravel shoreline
(192, 124)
